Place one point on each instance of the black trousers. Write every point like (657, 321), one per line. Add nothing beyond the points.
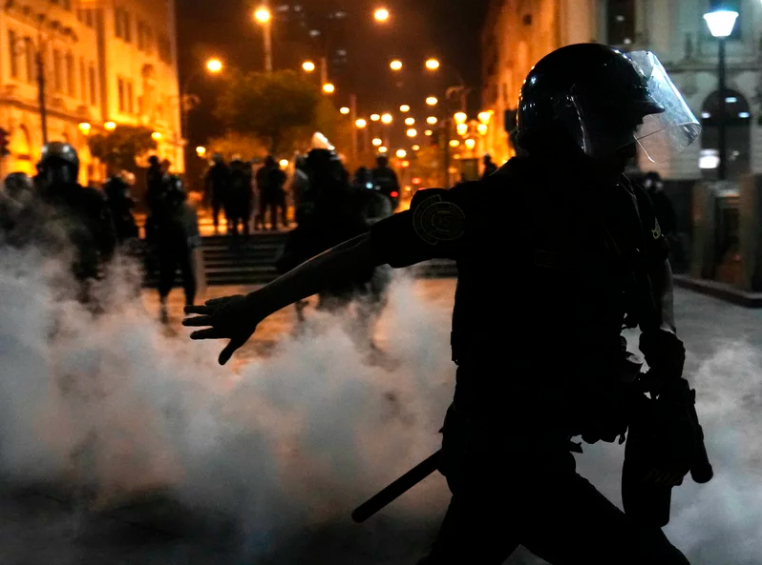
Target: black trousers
(533, 497)
(169, 261)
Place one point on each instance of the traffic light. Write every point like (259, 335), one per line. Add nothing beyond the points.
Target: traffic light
(4, 140)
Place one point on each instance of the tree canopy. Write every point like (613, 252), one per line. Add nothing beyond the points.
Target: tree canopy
(278, 108)
(120, 148)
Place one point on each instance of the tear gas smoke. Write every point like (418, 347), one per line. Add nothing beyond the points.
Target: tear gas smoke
(272, 459)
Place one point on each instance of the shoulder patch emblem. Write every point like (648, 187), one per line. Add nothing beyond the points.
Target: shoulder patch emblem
(436, 220)
(656, 232)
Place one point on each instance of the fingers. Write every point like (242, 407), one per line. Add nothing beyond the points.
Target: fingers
(211, 333)
(231, 348)
(198, 321)
(211, 306)
(199, 310)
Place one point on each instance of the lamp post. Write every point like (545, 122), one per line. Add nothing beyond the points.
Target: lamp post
(213, 66)
(721, 23)
(263, 16)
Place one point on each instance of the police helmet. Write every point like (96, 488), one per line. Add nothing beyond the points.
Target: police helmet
(59, 162)
(606, 100)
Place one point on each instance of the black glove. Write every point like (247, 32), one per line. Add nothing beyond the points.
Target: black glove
(664, 353)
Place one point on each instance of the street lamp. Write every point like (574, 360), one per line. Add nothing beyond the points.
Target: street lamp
(432, 120)
(383, 149)
(201, 151)
(401, 153)
(412, 132)
(460, 118)
(462, 129)
(721, 23)
(470, 143)
(432, 64)
(263, 16)
(416, 147)
(396, 65)
(381, 15)
(308, 66)
(156, 136)
(85, 127)
(345, 110)
(329, 88)
(432, 101)
(377, 142)
(386, 119)
(109, 126)
(374, 117)
(404, 108)
(214, 66)
(482, 129)
(361, 123)
(283, 163)
(454, 143)
(409, 121)
(428, 133)
(484, 117)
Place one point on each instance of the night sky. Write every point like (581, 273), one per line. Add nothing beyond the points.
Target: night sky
(447, 29)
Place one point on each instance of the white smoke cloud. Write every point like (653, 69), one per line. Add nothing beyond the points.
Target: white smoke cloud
(266, 463)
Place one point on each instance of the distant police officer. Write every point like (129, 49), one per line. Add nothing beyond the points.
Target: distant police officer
(386, 181)
(489, 166)
(16, 208)
(561, 237)
(80, 213)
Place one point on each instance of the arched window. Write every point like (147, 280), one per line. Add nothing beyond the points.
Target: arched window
(738, 130)
(21, 148)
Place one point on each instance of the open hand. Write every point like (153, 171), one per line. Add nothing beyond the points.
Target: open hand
(230, 317)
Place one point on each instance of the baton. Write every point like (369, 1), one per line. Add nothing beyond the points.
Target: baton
(396, 489)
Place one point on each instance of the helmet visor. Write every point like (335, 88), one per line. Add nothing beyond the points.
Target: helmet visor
(648, 110)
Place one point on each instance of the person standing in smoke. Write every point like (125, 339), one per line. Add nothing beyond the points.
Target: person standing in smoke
(240, 197)
(175, 240)
(16, 209)
(489, 166)
(74, 214)
(121, 204)
(270, 182)
(217, 185)
(555, 239)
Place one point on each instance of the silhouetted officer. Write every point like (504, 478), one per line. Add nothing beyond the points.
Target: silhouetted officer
(386, 181)
(489, 166)
(241, 197)
(217, 185)
(121, 204)
(552, 251)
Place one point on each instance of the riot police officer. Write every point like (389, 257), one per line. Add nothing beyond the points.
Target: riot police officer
(80, 212)
(16, 208)
(565, 241)
(386, 181)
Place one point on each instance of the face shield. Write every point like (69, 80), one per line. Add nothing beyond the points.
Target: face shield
(637, 105)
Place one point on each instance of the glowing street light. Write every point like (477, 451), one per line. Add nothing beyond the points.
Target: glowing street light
(462, 129)
(432, 101)
(156, 136)
(432, 64)
(484, 117)
(109, 126)
(460, 118)
(263, 15)
(377, 142)
(428, 133)
(396, 65)
(383, 149)
(329, 88)
(409, 121)
(200, 150)
(214, 66)
(432, 120)
(387, 119)
(454, 143)
(482, 129)
(361, 123)
(85, 127)
(412, 132)
(470, 143)
(374, 117)
(283, 163)
(381, 15)
(344, 110)
(308, 66)
(416, 147)
(401, 153)
(404, 108)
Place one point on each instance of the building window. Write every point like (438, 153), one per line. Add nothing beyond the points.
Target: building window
(621, 22)
(165, 49)
(93, 86)
(80, 15)
(31, 62)
(130, 107)
(12, 40)
(57, 71)
(120, 90)
(83, 79)
(89, 18)
(70, 80)
(738, 135)
(126, 26)
(118, 22)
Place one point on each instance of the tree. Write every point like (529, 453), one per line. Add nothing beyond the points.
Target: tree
(276, 108)
(120, 148)
(236, 144)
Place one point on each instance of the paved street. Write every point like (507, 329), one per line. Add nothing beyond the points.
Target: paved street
(296, 497)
